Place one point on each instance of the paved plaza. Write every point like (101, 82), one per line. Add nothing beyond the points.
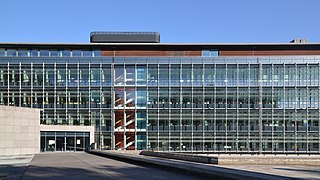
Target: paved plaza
(82, 166)
(70, 165)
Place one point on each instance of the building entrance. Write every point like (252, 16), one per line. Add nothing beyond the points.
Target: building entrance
(64, 141)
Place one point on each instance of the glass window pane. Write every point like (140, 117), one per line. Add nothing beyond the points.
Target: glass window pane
(33, 53)
(23, 53)
(130, 97)
(44, 53)
(11, 52)
(152, 75)
(220, 74)
(55, 53)
(106, 75)
(209, 75)
(186, 75)
(164, 75)
(97, 53)
(205, 53)
(76, 53)
(2, 52)
(95, 76)
(87, 53)
(141, 72)
(130, 75)
(243, 77)
(119, 75)
(65, 53)
(197, 75)
(141, 97)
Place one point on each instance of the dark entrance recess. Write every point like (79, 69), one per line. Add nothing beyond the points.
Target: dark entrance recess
(64, 141)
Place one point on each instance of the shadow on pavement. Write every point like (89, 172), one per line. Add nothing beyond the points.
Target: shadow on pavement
(99, 172)
(35, 172)
(11, 171)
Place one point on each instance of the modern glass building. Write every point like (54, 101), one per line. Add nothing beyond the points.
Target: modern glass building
(235, 98)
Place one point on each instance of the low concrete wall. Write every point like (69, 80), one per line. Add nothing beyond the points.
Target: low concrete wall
(312, 160)
(19, 130)
(180, 156)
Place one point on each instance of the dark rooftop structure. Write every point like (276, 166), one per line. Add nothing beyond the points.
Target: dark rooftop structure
(125, 37)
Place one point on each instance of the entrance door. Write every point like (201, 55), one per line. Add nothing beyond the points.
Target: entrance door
(60, 144)
(60, 141)
(70, 144)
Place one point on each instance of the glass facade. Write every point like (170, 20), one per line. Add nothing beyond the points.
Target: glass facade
(216, 104)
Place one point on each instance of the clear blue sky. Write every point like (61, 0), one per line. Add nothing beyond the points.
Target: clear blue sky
(209, 21)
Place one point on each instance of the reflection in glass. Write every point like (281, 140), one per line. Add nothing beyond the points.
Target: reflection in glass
(130, 97)
(164, 75)
(119, 97)
(152, 75)
(119, 75)
(141, 97)
(130, 75)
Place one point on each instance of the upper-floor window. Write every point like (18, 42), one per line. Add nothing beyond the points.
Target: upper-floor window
(210, 53)
(2, 52)
(44, 53)
(11, 52)
(49, 53)
(23, 53)
(33, 53)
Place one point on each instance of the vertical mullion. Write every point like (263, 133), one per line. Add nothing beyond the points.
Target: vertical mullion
(226, 107)
(283, 88)
(124, 106)
(192, 103)
(307, 110)
(215, 109)
(158, 116)
(180, 107)
(66, 95)
(20, 79)
(260, 108)
(43, 94)
(237, 106)
(90, 95)
(203, 110)
(272, 110)
(55, 93)
(8, 85)
(101, 118)
(112, 71)
(318, 107)
(248, 107)
(147, 108)
(169, 110)
(31, 85)
(78, 92)
(295, 110)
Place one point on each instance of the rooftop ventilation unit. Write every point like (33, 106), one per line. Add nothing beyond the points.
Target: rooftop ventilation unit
(124, 37)
(299, 41)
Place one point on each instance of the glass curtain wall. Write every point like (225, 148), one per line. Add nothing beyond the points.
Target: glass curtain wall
(218, 107)
(237, 108)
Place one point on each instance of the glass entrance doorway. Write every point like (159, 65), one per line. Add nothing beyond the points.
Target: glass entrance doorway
(64, 141)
